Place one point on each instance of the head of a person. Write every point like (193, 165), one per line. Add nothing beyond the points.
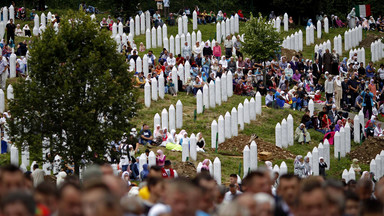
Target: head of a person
(18, 203)
(351, 204)
(182, 197)
(364, 188)
(155, 172)
(232, 188)
(289, 188)
(312, 198)
(46, 194)
(97, 199)
(335, 196)
(11, 178)
(69, 199)
(265, 204)
(208, 189)
(258, 181)
(167, 164)
(233, 179)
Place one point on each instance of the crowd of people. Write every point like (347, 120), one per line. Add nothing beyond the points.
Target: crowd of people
(265, 192)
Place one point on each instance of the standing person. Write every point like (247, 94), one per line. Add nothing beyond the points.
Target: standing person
(322, 166)
(3, 71)
(299, 166)
(159, 4)
(167, 171)
(338, 92)
(228, 44)
(327, 61)
(166, 8)
(308, 167)
(238, 46)
(367, 97)
(37, 175)
(329, 87)
(125, 157)
(335, 62)
(10, 31)
(217, 51)
(186, 50)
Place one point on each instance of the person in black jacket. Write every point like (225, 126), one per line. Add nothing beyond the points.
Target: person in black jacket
(322, 166)
(207, 50)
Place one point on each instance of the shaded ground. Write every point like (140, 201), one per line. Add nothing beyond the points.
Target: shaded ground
(368, 150)
(366, 43)
(184, 169)
(235, 147)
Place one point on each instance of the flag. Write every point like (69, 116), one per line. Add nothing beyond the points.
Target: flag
(363, 10)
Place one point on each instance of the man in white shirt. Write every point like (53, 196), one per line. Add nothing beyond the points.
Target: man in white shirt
(166, 8)
(37, 175)
(232, 193)
(171, 60)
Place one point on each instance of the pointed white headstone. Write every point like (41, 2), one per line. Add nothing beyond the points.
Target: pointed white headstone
(253, 156)
(151, 159)
(156, 121)
(246, 112)
(327, 156)
(234, 126)
(206, 96)
(164, 119)
(343, 142)
(283, 168)
(258, 103)
(284, 134)
(14, 156)
(153, 36)
(192, 147)
(212, 99)
(345, 175)
(356, 130)
(185, 150)
(147, 94)
(246, 160)
(224, 96)
(337, 140)
(10, 94)
(221, 129)
(252, 109)
(179, 114)
(315, 161)
(148, 39)
(372, 166)
(218, 91)
(240, 116)
(290, 130)
(285, 22)
(227, 128)
(161, 86)
(214, 131)
(278, 134)
(154, 89)
(172, 118)
(199, 102)
(217, 170)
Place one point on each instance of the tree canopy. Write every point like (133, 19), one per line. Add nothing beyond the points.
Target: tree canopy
(261, 40)
(80, 95)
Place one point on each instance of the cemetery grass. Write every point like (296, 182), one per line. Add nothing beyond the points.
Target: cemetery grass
(264, 127)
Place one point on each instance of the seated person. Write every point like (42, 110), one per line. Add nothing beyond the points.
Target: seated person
(197, 84)
(145, 135)
(302, 135)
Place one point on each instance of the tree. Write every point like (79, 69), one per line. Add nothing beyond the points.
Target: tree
(261, 40)
(80, 95)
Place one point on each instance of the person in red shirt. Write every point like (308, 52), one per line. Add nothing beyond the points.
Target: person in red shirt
(167, 171)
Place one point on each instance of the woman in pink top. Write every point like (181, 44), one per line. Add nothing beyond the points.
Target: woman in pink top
(160, 158)
(217, 51)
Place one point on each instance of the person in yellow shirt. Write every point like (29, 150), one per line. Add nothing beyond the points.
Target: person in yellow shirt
(140, 80)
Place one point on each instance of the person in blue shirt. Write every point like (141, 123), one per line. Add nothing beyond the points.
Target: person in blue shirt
(370, 70)
(145, 135)
(367, 97)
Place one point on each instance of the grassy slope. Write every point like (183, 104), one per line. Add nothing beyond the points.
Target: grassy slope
(263, 126)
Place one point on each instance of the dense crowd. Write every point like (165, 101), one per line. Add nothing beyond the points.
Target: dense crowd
(261, 192)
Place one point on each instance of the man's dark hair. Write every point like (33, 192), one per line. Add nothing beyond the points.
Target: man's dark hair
(155, 168)
(232, 185)
(371, 206)
(65, 185)
(20, 197)
(248, 179)
(35, 166)
(289, 176)
(233, 175)
(47, 188)
(310, 184)
(202, 176)
(10, 168)
(350, 195)
(151, 182)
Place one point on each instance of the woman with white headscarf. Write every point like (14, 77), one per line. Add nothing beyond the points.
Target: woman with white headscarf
(299, 166)
(223, 62)
(307, 167)
(338, 92)
(302, 135)
(322, 166)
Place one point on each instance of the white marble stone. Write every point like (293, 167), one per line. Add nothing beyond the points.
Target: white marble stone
(283, 168)
(312, 33)
(148, 39)
(181, 73)
(258, 103)
(198, 37)
(315, 161)
(284, 134)
(237, 27)
(361, 119)
(156, 121)
(10, 94)
(193, 36)
(132, 27)
(164, 119)
(177, 45)
(194, 18)
(12, 64)
(327, 154)
(185, 150)
(345, 175)
(161, 86)
(343, 142)
(285, 20)
(253, 156)
(378, 167)
(240, 116)
(137, 25)
(227, 28)
(188, 39)
(234, 126)
(278, 134)
(148, 20)
(229, 85)
(147, 95)
(159, 37)
(246, 160)
(321, 150)
(218, 91)
(199, 166)
(326, 25)
(153, 37)
(192, 147)
(290, 130)
(356, 131)
(142, 23)
(187, 73)
(172, 118)
(206, 96)
(217, 170)
(372, 166)
(221, 129)
(351, 174)
(246, 111)
(212, 99)
(228, 128)
(182, 42)
(154, 89)
(25, 156)
(214, 131)
(223, 34)
(174, 77)
(224, 95)
(218, 31)
(14, 156)
(179, 114)
(199, 102)
(337, 140)
(151, 159)
(172, 44)
(185, 24)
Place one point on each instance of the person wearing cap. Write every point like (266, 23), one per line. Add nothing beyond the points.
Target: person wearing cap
(167, 171)
(302, 135)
